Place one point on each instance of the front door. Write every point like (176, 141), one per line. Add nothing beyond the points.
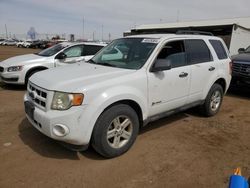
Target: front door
(169, 89)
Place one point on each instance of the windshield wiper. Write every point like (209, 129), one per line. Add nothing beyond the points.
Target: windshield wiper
(41, 55)
(107, 64)
(91, 61)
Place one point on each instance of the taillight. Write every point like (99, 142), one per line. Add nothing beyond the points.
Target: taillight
(230, 67)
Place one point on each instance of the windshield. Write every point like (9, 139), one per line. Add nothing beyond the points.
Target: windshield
(247, 50)
(128, 53)
(52, 50)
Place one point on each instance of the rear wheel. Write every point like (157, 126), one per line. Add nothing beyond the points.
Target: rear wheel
(115, 131)
(213, 101)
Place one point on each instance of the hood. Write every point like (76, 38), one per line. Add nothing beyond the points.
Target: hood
(22, 60)
(241, 57)
(76, 77)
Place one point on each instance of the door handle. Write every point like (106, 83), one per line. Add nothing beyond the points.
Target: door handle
(211, 69)
(183, 74)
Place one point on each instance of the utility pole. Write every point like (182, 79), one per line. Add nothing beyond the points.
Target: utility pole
(83, 27)
(178, 16)
(93, 35)
(6, 31)
(109, 37)
(102, 33)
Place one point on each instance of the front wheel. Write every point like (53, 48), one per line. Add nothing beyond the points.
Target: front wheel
(115, 131)
(213, 101)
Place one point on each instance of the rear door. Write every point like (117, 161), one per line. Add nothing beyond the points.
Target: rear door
(202, 66)
(222, 56)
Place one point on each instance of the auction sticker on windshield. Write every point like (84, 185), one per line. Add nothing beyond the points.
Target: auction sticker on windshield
(150, 41)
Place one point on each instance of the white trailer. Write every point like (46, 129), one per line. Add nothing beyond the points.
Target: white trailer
(235, 32)
(240, 39)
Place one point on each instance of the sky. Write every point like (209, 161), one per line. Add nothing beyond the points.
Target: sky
(102, 17)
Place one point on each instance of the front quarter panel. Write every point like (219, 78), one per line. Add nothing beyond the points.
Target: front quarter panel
(46, 64)
(97, 102)
(27, 65)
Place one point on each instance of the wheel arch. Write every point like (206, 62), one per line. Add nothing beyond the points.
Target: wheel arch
(222, 82)
(133, 104)
(219, 80)
(37, 68)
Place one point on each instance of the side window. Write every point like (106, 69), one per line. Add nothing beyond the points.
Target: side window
(174, 52)
(197, 51)
(74, 51)
(112, 54)
(90, 49)
(219, 49)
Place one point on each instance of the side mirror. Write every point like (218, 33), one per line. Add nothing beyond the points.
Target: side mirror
(61, 56)
(241, 50)
(161, 65)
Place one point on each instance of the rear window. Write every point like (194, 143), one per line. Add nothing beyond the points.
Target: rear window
(219, 49)
(197, 51)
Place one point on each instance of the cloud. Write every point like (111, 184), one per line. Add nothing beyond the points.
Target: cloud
(116, 16)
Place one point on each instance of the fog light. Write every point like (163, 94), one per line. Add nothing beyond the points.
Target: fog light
(60, 130)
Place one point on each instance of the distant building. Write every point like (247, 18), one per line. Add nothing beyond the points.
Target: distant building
(72, 37)
(235, 32)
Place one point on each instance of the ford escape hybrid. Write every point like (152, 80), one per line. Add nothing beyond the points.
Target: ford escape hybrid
(130, 82)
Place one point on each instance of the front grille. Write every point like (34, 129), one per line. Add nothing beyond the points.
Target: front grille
(9, 79)
(1, 69)
(241, 68)
(37, 95)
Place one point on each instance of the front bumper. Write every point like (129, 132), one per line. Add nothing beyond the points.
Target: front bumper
(238, 79)
(46, 121)
(11, 78)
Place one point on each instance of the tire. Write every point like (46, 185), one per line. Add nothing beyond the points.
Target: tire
(213, 101)
(110, 136)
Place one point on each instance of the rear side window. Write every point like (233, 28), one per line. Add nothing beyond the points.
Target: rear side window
(91, 49)
(219, 49)
(197, 51)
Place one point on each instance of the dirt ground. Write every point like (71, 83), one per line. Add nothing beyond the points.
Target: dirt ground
(183, 150)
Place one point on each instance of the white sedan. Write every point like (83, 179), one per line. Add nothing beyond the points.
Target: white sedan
(17, 70)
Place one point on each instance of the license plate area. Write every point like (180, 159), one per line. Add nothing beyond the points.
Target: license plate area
(29, 109)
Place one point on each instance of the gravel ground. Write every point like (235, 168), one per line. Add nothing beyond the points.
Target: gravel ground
(183, 150)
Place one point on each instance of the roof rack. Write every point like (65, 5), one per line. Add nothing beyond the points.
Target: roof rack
(193, 32)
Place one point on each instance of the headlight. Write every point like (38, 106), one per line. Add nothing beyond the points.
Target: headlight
(15, 68)
(63, 101)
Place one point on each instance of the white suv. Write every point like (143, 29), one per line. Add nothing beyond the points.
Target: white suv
(130, 82)
(17, 70)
